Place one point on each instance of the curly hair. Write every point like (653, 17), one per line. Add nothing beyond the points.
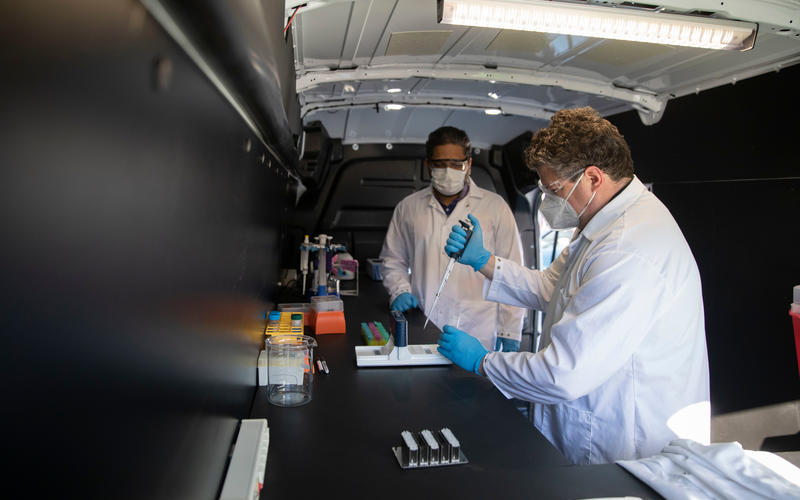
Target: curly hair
(447, 135)
(577, 138)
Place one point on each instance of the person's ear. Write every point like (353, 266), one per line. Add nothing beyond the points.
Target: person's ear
(595, 176)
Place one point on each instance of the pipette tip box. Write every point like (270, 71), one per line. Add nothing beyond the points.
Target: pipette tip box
(375, 269)
(327, 315)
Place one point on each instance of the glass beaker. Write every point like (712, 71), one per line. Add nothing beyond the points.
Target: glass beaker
(290, 359)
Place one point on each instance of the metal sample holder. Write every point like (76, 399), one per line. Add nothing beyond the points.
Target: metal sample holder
(429, 449)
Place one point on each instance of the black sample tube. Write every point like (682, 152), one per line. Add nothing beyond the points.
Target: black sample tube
(400, 329)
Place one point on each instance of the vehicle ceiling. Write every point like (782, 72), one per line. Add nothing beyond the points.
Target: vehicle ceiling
(348, 54)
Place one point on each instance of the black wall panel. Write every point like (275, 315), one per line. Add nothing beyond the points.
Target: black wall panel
(140, 241)
(725, 163)
(357, 195)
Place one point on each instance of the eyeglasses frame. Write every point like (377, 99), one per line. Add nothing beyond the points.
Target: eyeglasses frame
(554, 191)
(464, 162)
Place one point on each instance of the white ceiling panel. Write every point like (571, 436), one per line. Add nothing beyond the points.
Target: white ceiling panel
(350, 53)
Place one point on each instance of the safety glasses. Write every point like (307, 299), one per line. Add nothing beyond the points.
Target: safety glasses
(554, 187)
(449, 163)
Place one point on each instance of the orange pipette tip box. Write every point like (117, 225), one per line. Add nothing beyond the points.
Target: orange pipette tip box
(329, 322)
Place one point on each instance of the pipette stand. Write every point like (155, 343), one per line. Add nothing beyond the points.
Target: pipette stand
(323, 247)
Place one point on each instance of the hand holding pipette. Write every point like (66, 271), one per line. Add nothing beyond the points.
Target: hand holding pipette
(467, 246)
(465, 233)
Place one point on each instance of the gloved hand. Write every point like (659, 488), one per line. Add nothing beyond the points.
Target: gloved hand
(506, 345)
(461, 348)
(474, 254)
(404, 302)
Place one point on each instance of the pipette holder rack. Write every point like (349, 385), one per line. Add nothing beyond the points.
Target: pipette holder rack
(284, 326)
(397, 352)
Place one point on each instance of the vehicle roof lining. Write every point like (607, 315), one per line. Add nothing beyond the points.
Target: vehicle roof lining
(349, 54)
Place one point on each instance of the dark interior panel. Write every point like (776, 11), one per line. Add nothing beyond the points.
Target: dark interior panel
(725, 164)
(357, 195)
(140, 234)
(748, 277)
(244, 46)
(144, 224)
(362, 200)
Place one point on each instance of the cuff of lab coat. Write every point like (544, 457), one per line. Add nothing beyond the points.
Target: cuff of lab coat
(489, 370)
(510, 335)
(490, 288)
(397, 293)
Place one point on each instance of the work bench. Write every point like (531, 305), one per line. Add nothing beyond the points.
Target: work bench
(340, 444)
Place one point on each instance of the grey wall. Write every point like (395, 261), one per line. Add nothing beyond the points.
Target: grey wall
(725, 162)
(139, 246)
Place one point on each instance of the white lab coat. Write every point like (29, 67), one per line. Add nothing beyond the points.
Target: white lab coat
(686, 470)
(622, 368)
(415, 240)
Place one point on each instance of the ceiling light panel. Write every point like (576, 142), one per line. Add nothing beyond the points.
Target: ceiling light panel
(600, 22)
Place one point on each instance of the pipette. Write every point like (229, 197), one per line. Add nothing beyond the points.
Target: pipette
(468, 228)
(304, 261)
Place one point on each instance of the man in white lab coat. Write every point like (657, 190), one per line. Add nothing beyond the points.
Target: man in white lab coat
(417, 233)
(622, 367)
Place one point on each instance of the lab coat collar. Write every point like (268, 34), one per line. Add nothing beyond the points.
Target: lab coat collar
(614, 209)
(474, 192)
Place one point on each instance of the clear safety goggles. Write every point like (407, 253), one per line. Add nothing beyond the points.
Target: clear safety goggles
(556, 186)
(449, 163)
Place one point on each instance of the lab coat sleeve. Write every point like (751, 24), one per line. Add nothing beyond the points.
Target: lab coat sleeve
(508, 246)
(516, 285)
(618, 297)
(396, 255)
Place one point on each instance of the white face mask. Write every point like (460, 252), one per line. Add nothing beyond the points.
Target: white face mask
(448, 181)
(559, 213)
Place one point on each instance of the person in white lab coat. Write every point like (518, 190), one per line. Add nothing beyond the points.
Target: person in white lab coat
(622, 367)
(418, 230)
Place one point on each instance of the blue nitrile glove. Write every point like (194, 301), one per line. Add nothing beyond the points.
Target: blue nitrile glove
(404, 302)
(506, 345)
(474, 254)
(461, 348)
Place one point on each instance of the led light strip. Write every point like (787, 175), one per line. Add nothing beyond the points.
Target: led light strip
(600, 22)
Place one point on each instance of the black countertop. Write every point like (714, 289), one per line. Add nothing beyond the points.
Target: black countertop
(340, 444)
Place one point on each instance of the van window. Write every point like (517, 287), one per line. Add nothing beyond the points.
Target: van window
(551, 241)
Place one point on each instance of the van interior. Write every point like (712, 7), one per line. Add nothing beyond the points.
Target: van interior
(162, 161)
